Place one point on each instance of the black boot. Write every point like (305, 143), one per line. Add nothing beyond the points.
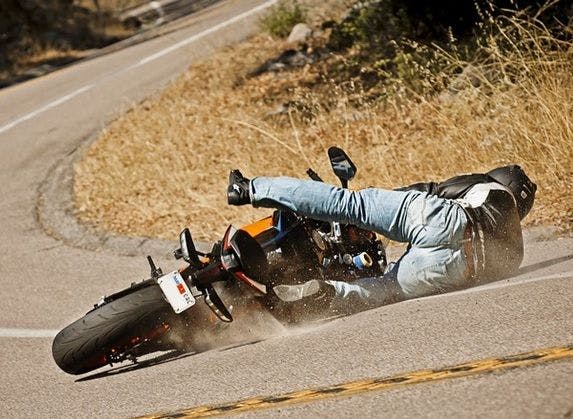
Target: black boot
(238, 189)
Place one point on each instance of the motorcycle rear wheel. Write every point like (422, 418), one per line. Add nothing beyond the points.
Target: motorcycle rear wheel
(90, 342)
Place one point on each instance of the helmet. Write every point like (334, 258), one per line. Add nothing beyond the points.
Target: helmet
(523, 189)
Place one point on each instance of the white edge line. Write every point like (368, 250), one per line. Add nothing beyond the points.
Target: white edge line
(27, 333)
(45, 108)
(206, 32)
(508, 282)
(146, 60)
(503, 283)
(44, 333)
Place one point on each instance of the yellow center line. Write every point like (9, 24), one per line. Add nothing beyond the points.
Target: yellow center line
(377, 384)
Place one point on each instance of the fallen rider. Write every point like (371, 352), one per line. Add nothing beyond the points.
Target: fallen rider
(460, 232)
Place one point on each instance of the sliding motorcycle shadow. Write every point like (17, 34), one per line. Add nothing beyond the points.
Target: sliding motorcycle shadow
(171, 356)
(122, 368)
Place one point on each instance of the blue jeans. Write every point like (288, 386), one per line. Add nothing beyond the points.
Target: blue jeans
(433, 226)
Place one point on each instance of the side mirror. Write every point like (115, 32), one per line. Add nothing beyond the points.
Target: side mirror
(342, 166)
(188, 251)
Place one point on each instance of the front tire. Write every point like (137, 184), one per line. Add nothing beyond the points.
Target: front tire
(92, 341)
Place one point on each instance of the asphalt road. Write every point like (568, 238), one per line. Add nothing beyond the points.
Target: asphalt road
(48, 282)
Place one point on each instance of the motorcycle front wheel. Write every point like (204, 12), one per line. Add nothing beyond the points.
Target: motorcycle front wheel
(105, 334)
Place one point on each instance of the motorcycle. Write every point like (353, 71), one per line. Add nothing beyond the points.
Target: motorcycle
(246, 264)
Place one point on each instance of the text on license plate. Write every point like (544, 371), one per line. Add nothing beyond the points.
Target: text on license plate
(176, 291)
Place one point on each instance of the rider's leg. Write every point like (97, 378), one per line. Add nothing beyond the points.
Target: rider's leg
(419, 272)
(404, 216)
(378, 210)
(433, 226)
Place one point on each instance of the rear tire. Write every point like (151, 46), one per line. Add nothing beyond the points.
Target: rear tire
(86, 344)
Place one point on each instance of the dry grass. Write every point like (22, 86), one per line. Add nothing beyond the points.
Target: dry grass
(164, 164)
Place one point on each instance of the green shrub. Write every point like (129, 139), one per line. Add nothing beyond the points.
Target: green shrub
(281, 19)
(403, 44)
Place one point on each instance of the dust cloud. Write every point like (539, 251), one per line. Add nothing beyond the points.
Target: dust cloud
(201, 330)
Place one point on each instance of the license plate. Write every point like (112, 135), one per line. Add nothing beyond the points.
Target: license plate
(176, 291)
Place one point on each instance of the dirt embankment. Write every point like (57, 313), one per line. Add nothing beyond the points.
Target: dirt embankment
(164, 164)
(53, 33)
